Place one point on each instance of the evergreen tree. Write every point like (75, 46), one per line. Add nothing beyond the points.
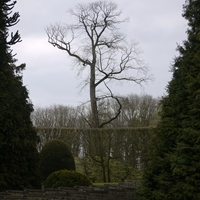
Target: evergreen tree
(173, 170)
(18, 138)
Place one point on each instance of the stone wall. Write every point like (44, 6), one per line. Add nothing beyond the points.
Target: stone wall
(107, 192)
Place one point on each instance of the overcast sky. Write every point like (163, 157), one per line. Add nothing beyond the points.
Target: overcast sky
(157, 25)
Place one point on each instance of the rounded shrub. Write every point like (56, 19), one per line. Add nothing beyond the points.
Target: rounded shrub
(55, 155)
(66, 178)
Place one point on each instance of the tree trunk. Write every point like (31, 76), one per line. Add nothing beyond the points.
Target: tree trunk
(104, 172)
(93, 99)
(108, 168)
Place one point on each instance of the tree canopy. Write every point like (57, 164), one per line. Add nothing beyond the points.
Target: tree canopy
(173, 170)
(18, 138)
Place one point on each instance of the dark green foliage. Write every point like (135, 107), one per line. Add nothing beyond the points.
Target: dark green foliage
(18, 139)
(55, 155)
(66, 178)
(173, 170)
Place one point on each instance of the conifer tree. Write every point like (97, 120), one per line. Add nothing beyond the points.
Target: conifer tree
(18, 139)
(173, 170)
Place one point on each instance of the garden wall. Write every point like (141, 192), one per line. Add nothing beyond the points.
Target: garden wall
(107, 192)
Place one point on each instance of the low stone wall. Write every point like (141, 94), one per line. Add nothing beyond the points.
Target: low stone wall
(107, 192)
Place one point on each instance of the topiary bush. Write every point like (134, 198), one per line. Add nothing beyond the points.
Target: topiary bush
(55, 155)
(66, 178)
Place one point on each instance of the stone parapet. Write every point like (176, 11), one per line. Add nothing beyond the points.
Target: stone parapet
(107, 192)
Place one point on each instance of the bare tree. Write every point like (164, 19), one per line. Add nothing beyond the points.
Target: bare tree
(51, 121)
(140, 110)
(95, 42)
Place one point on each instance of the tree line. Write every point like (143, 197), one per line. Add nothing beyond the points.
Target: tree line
(120, 141)
(136, 111)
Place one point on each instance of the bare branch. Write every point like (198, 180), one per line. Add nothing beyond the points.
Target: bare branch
(123, 69)
(119, 108)
(57, 36)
